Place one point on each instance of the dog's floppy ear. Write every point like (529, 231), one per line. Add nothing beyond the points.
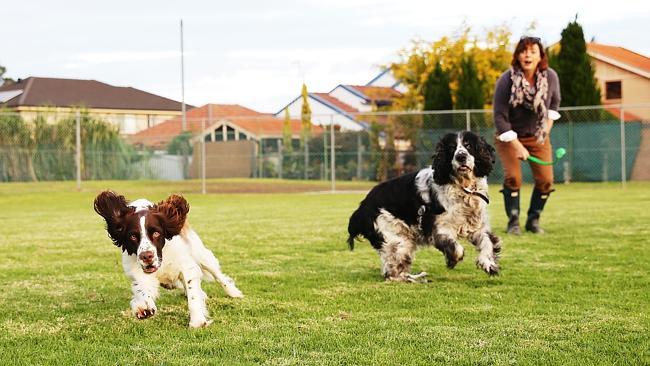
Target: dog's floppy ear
(485, 159)
(173, 211)
(442, 159)
(113, 208)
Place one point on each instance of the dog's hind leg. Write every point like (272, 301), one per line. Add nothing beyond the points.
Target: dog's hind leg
(488, 246)
(397, 257)
(210, 263)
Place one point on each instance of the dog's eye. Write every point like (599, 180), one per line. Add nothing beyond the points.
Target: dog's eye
(155, 235)
(133, 237)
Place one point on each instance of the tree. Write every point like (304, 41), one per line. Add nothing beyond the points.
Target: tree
(491, 52)
(4, 80)
(305, 130)
(437, 96)
(578, 85)
(436, 93)
(469, 94)
(287, 147)
(305, 117)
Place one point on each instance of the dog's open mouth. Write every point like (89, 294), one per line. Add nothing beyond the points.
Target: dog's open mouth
(463, 169)
(150, 269)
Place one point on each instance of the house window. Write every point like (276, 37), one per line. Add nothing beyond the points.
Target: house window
(130, 125)
(613, 90)
(230, 133)
(218, 134)
(242, 136)
(208, 138)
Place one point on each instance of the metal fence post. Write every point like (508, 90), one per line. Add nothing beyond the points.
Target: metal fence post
(203, 163)
(78, 149)
(333, 159)
(623, 167)
(468, 125)
(325, 157)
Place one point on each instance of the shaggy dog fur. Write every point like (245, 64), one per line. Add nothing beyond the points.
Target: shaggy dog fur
(434, 206)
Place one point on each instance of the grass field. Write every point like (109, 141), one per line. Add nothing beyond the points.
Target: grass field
(578, 295)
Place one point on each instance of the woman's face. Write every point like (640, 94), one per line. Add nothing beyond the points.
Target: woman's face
(529, 58)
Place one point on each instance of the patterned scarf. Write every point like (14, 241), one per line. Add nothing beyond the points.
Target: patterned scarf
(533, 99)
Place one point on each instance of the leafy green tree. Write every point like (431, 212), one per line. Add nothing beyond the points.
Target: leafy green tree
(491, 51)
(469, 94)
(578, 85)
(180, 144)
(4, 80)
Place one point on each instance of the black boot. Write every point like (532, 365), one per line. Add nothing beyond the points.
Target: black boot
(537, 202)
(511, 200)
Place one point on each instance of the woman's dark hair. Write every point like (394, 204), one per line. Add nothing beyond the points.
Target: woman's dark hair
(523, 44)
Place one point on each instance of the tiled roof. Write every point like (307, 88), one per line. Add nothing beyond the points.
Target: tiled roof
(256, 123)
(37, 91)
(621, 57)
(335, 102)
(377, 93)
(627, 116)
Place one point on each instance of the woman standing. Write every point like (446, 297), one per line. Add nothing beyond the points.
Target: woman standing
(526, 100)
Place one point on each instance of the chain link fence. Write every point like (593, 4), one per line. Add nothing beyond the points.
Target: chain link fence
(603, 143)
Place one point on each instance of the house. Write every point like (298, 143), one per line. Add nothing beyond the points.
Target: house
(218, 123)
(345, 105)
(623, 77)
(130, 109)
(239, 142)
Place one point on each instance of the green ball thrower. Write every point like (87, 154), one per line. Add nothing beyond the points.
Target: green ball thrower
(559, 153)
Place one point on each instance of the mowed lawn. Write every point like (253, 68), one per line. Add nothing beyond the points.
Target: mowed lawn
(578, 295)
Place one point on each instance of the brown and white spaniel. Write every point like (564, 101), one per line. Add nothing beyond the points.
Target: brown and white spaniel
(159, 248)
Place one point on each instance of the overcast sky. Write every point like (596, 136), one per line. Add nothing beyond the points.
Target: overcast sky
(257, 53)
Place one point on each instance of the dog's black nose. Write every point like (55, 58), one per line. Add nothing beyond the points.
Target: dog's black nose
(461, 156)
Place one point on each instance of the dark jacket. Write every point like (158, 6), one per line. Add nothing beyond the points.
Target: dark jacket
(521, 119)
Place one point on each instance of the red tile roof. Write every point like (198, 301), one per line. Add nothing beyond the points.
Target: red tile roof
(256, 123)
(375, 93)
(335, 102)
(39, 91)
(621, 55)
(627, 116)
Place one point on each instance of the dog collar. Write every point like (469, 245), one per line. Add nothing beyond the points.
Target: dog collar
(476, 193)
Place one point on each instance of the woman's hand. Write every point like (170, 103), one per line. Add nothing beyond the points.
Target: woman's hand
(520, 150)
(548, 126)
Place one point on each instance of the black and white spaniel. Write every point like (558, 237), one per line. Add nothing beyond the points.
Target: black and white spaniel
(159, 248)
(433, 206)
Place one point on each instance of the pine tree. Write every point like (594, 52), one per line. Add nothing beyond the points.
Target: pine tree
(305, 130)
(436, 92)
(437, 96)
(578, 85)
(287, 147)
(305, 117)
(470, 87)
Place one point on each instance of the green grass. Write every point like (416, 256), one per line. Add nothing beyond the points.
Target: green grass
(578, 295)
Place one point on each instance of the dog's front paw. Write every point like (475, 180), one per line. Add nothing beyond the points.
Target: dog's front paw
(143, 309)
(489, 266)
(199, 322)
